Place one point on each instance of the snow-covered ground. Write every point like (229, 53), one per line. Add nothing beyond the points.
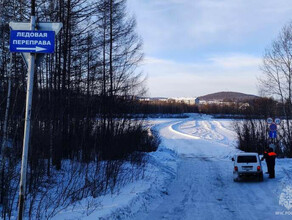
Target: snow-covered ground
(190, 177)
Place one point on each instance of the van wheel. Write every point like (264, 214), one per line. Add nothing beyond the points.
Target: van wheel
(235, 179)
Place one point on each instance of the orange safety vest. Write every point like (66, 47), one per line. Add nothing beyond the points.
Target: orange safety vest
(272, 154)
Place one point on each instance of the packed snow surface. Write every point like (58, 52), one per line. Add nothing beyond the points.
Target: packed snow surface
(190, 177)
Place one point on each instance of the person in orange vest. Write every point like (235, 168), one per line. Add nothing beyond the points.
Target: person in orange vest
(271, 160)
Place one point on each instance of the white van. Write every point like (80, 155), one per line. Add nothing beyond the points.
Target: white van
(247, 164)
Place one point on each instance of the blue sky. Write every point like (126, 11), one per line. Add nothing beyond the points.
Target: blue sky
(197, 47)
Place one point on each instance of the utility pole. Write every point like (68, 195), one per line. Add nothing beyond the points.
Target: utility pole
(29, 92)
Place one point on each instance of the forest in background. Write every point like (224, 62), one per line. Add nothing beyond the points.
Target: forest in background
(82, 93)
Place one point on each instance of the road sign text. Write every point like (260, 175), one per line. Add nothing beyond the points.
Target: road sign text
(32, 41)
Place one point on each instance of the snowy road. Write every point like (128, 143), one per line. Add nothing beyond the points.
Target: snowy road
(190, 177)
(203, 187)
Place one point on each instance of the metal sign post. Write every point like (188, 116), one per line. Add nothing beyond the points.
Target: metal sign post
(29, 92)
(32, 44)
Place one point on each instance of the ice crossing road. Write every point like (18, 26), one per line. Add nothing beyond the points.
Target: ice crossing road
(203, 187)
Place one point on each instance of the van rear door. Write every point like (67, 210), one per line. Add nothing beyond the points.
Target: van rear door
(247, 163)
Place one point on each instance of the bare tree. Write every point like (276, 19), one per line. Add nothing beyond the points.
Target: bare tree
(277, 77)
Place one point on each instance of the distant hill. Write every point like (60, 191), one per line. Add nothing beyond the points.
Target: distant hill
(227, 96)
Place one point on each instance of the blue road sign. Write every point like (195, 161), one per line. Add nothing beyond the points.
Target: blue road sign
(32, 41)
(273, 134)
(273, 127)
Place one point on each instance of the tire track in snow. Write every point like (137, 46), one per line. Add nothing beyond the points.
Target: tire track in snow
(210, 130)
(174, 128)
(224, 130)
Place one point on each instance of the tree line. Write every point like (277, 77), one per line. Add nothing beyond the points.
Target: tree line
(260, 107)
(80, 96)
(162, 107)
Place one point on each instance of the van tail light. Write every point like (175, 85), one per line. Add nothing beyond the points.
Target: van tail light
(235, 168)
(259, 168)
